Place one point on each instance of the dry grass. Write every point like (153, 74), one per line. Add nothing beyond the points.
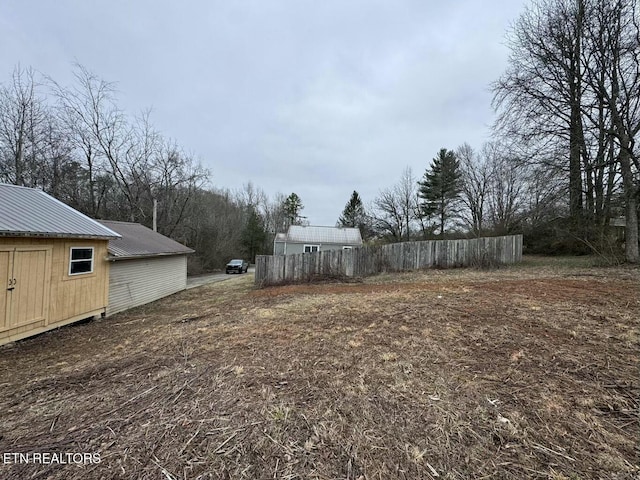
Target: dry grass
(522, 372)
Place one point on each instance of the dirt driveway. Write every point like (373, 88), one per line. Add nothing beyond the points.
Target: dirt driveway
(523, 372)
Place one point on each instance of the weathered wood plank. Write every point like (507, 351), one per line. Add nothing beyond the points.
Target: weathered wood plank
(370, 260)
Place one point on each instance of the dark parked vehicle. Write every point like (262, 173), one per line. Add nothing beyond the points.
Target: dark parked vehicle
(238, 266)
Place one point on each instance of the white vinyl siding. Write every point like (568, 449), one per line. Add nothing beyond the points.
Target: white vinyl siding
(139, 281)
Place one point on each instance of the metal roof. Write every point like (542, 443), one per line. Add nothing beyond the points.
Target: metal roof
(311, 234)
(27, 212)
(138, 241)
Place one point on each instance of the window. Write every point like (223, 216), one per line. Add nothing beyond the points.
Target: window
(311, 248)
(81, 260)
(347, 247)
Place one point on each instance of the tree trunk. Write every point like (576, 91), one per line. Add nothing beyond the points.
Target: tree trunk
(631, 208)
(575, 124)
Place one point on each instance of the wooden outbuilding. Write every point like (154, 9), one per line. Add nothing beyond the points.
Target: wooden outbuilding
(53, 264)
(145, 266)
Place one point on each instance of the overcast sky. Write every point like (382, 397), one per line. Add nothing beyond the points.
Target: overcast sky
(315, 97)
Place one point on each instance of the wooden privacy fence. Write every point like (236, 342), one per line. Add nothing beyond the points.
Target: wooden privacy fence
(395, 257)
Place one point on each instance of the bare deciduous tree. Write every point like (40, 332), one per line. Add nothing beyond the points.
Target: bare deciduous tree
(388, 219)
(88, 114)
(394, 209)
(613, 73)
(475, 183)
(574, 82)
(506, 189)
(23, 125)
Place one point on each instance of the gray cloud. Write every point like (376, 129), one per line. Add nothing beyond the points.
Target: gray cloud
(319, 98)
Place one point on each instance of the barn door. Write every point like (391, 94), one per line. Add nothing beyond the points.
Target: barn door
(26, 298)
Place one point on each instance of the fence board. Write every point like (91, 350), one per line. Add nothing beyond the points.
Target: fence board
(396, 257)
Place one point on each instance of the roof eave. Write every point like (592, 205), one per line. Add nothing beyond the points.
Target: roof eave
(7, 234)
(307, 242)
(116, 258)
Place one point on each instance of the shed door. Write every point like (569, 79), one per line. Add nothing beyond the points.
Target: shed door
(6, 262)
(26, 298)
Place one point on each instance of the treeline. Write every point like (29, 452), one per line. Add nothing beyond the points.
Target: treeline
(564, 161)
(468, 193)
(565, 158)
(76, 143)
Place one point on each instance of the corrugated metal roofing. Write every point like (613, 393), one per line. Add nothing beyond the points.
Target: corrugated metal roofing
(139, 241)
(28, 212)
(310, 234)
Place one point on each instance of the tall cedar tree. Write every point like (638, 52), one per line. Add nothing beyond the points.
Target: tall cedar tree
(353, 214)
(440, 188)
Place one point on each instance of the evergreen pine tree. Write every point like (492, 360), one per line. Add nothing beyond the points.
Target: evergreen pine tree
(353, 214)
(292, 207)
(440, 188)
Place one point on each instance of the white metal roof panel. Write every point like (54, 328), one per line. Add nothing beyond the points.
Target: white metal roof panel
(311, 234)
(28, 212)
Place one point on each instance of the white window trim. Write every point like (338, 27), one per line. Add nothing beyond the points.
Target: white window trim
(71, 261)
(347, 247)
(310, 248)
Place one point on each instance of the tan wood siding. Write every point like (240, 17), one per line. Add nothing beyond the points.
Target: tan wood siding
(136, 282)
(73, 295)
(44, 295)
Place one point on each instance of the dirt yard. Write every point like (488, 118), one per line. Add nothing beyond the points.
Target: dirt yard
(523, 372)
